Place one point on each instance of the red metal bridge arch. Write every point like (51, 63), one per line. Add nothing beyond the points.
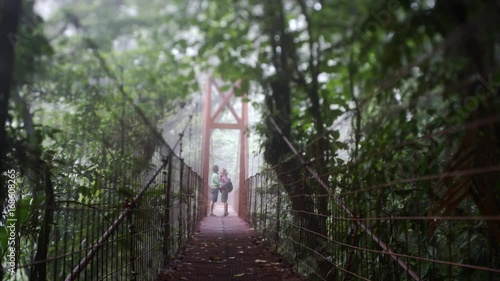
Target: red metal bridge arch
(211, 121)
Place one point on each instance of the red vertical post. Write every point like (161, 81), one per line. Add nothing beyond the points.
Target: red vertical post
(210, 122)
(207, 131)
(243, 142)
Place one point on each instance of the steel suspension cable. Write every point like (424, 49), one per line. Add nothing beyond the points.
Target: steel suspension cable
(341, 204)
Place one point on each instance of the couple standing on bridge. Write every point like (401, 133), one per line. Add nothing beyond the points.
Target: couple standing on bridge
(219, 183)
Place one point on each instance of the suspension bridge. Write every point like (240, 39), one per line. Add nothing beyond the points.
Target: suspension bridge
(155, 226)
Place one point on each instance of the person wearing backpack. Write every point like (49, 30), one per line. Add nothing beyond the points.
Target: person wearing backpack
(227, 186)
(215, 184)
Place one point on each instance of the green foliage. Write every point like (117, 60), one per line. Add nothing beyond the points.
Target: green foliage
(364, 90)
(378, 86)
(88, 99)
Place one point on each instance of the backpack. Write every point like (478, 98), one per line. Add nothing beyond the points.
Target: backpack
(228, 186)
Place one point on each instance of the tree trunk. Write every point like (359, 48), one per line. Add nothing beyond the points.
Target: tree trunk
(39, 270)
(8, 27)
(307, 199)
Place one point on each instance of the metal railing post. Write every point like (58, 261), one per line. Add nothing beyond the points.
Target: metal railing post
(265, 208)
(181, 199)
(255, 203)
(261, 197)
(200, 208)
(249, 200)
(167, 181)
(278, 216)
(132, 231)
(195, 200)
(188, 204)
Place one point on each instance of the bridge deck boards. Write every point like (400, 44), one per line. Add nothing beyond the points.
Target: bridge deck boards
(224, 249)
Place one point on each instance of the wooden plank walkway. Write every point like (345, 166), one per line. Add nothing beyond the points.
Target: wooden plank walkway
(226, 248)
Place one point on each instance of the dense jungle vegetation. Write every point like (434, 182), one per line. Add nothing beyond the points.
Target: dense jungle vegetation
(371, 93)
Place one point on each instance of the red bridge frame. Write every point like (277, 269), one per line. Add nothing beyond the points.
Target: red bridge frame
(210, 122)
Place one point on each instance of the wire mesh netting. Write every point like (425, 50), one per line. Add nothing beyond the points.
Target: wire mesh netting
(342, 225)
(124, 219)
